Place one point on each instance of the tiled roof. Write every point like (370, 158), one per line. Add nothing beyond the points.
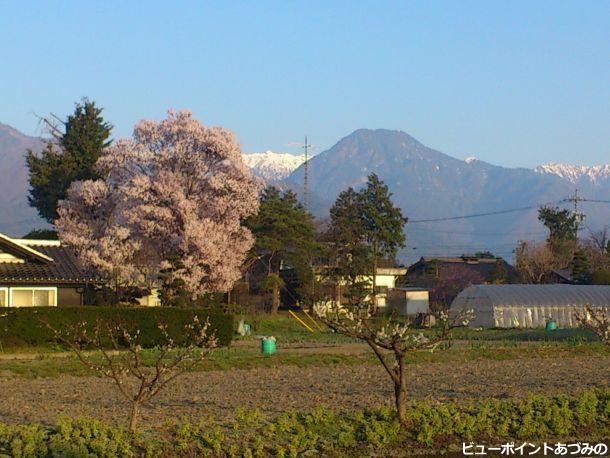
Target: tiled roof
(64, 268)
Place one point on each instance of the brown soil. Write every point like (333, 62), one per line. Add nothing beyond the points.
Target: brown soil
(288, 387)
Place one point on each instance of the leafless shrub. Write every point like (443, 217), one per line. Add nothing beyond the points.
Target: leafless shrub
(397, 337)
(117, 354)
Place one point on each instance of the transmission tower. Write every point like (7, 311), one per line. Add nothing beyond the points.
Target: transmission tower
(306, 146)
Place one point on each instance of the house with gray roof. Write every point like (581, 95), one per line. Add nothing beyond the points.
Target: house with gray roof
(40, 273)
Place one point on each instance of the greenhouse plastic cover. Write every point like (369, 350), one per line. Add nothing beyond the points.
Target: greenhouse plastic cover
(529, 305)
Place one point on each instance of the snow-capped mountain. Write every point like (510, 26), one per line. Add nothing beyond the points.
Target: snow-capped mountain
(577, 173)
(435, 190)
(272, 166)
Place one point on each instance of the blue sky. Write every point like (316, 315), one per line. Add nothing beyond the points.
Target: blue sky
(515, 83)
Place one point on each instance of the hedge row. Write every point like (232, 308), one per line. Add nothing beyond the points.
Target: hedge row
(443, 427)
(21, 327)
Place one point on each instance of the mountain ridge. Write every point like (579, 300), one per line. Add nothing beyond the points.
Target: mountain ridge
(428, 184)
(272, 166)
(425, 183)
(16, 216)
(576, 173)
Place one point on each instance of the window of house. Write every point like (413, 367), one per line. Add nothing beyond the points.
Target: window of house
(3, 297)
(33, 297)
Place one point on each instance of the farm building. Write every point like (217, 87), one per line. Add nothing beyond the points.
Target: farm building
(408, 301)
(529, 306)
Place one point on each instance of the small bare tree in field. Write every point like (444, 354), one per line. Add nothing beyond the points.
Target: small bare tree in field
(596, 320)
(382, 334)
(117, 354)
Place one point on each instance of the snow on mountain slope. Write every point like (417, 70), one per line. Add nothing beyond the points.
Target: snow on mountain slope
(272, 166)
(576, 173)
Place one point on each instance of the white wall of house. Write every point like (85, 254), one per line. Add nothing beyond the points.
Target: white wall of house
(28, 296)
(409, 301)
(385, 280)
(152, 300)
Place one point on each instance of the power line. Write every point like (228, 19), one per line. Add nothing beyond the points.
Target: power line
(596, 200)
(575, 199)
(474, 215)
(474, 233)
(503, 249)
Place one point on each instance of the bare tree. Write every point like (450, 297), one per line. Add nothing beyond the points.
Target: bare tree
(597, 249)
(600, 240)
(393, 336)
(596, 320)
(118, 355)
(537, 261)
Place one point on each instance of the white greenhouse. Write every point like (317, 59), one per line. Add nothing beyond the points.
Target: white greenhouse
(529, 306)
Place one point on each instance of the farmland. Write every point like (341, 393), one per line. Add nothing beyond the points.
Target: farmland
(309, 371)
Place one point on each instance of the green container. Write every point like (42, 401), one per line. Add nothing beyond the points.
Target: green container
(268, 346)
(550, 326)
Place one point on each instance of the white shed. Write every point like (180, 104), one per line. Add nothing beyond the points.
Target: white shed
(409, 300)
(529, 306)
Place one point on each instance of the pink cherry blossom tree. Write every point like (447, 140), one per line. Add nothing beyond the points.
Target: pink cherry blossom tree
(173, 197)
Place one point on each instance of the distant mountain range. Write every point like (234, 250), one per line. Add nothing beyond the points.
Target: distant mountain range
(425, 183)
(428, 184)
(597, 175)
(16, 216)
(273, 167)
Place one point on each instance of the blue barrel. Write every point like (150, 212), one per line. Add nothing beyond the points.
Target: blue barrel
(550, 325)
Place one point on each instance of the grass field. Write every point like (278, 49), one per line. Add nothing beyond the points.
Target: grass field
(288, 330)
(301, 348)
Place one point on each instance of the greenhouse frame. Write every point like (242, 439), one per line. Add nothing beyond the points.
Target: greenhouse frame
(529, 306)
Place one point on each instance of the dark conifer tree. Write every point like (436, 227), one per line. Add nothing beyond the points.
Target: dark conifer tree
(285, 237)
(365, 228)
(383, 223)
(581, 271)
(69, 156)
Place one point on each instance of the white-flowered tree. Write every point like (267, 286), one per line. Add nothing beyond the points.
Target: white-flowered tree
(596, 320)
(390, 339)
(169, 205)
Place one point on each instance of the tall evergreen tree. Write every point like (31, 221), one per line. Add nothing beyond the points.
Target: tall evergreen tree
(382, 222)
(365, 228)
(69, 156)
(285, 236)
(581, 271)
(561, 223)
(351, 261)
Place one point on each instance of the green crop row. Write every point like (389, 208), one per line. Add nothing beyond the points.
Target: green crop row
(321, 432)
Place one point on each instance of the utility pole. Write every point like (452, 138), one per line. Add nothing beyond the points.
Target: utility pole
(579, 216)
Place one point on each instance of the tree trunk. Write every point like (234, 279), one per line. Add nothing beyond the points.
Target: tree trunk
(275, 299)
(338, 293)
(133, 419)
(375, 281)
(400, 390)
